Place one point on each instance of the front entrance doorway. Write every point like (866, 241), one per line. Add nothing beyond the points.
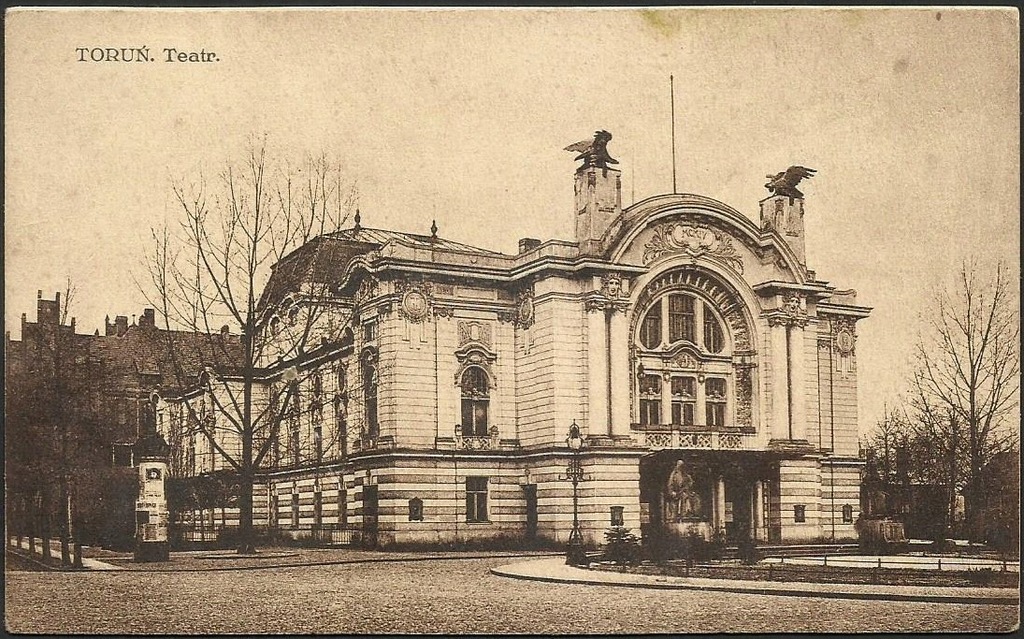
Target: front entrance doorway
(709, 493)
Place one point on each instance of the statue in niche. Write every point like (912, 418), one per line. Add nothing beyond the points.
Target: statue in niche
(683, 501)
(784, 183)
(594, 152)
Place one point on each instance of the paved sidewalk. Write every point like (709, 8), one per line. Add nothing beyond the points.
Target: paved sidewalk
(266, 558)
(88, 563)
(554, 569)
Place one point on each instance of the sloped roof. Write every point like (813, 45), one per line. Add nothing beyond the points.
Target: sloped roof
(326, 257)
(176, 357)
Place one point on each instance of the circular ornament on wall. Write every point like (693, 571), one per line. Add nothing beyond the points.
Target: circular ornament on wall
(415, 304)
(845, 341)
(526, 310)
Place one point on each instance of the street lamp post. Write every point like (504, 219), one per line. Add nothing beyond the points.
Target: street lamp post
(576, 554)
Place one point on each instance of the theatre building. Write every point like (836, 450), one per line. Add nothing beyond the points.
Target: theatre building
(713, 377)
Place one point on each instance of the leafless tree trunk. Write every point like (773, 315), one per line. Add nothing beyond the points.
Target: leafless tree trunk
(966, 380)
(242, 257)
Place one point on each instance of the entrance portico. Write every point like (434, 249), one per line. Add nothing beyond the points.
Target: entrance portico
(711, 493)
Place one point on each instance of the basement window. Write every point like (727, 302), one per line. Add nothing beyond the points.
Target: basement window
(799, 514)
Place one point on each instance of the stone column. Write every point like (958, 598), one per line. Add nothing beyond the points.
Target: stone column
(797, 382)
(618, 349)
(758, 527)
(597, 362)
(780, 383)
(720, 504)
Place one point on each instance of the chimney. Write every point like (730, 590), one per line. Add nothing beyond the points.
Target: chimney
(108, 328)
(120, 325)
(224, 330)
(785, 215)
(598, 205)
(527, 244)
(148, 319)
(48, 311)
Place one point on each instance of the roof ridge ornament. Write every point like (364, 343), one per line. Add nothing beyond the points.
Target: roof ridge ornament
(784, 182)
(593, 152)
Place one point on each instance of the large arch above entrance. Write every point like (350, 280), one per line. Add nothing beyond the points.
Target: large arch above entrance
(691, 370)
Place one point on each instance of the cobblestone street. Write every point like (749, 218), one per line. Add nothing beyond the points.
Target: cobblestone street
(443, 596)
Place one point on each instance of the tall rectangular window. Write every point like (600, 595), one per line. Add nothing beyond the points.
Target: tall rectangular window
(618, 517)
(650, 399)
(342, 507)
(680, 318)
(318, 508)
(475, 400)
(476, 499)
(295, 510)
(684, 400)
(714, 390)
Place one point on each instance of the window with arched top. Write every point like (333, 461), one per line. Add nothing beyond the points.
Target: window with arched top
(475, 387)
(685, 370)
(372, 427)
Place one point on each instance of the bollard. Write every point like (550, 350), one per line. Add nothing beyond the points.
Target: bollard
(879, 561)
(825, 563)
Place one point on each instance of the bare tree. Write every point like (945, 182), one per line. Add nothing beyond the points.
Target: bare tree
(966, 381)
(249, 266)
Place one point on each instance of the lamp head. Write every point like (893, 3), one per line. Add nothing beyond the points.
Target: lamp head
(574, 440)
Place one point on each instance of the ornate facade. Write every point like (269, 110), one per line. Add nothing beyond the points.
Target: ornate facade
(712, 374)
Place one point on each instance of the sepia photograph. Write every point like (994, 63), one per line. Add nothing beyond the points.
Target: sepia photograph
(548, 321)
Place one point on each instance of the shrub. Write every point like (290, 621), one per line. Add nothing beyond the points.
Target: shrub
(622, 546)
(749, 552)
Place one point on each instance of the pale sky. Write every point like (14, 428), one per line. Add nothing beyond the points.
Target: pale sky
(911, 118)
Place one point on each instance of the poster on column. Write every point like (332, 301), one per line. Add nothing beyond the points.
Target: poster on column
(151, 508)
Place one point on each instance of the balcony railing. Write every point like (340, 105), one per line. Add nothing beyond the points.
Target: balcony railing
(658, 437)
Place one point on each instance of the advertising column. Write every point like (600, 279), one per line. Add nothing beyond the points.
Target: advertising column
(151, 515)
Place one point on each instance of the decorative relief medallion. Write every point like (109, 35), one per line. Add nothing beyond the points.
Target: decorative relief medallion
(415, 305)
(611, 285)
(845, 339)
(790, 313)
(525, 309)
(685, 360)
(416, 299)
(611, 297)
(693, 240)
(472, 331)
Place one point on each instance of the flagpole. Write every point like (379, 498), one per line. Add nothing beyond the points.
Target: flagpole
(672, 100)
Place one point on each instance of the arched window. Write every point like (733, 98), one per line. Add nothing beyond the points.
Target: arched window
(680, 321)
(370, 399)
(681, 318)
(685, 373)
(293, 411)
(714, 339)
(650, 329)
(475, 399)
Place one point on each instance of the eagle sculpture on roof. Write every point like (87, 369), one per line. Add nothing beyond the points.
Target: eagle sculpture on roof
(784, 183)
(594, 152)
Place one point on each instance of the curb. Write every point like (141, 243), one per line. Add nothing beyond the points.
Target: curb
(336, 562)
(23, 554)
(506, 571)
